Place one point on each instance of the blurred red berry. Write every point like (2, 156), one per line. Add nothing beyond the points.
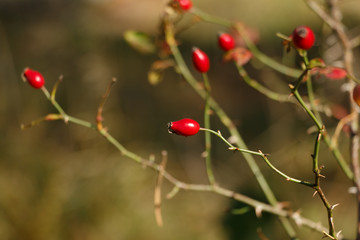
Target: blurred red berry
(226, 41)
(185, 4)
(303, 37)
(356, 94)
(34, 78)
(200, 60)
(184, 127)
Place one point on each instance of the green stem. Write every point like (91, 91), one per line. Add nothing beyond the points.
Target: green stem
(267, 92)
(308, 111)
(212, 19)
(312, 97)
(310, 89)
(334, 150)
(207, 110)
(317, 119)
(231, 147)
(55, 104)
(315, 156)
(66, 117)
(300, 79)
(80, 122)
(339, 158)
(120, 147)
(291, 179)
(318, 189)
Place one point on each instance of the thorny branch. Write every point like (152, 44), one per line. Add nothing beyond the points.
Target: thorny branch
(334, 20)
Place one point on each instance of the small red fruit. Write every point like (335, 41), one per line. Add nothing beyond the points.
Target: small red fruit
(185, 4)
(226, 41)
(303, 37)
(184, 127)
(356, 94)
(34, 78)
(200, 60)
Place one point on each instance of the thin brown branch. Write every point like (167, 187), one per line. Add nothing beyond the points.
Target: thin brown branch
(157, 192)
(345, 120)
(99, 117)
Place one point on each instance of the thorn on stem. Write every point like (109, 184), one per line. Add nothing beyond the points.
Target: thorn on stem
(328, 235)
(66, 119)
(258, 211)
(321, 176)
(173, 192)
(334, 206)
(338, 235)
(263, 154)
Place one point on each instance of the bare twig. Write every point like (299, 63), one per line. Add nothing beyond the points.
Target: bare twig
(334, 21)
(99, 117)
(157, 193)
(345, 120)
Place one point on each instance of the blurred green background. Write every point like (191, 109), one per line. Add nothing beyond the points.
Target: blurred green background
(62, 181)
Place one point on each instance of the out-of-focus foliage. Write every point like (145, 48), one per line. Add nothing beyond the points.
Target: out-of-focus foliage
(62, 181)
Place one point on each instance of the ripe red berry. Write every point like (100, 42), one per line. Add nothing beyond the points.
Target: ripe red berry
(200, 60)
(356, 94)
(226, 41)
(303, 37)
(185, 4)
(184, 127)
(34, 78)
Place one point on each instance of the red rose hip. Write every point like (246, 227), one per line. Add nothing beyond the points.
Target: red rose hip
(34, 78)
(303, 37)
(184, 127)
(185, 4)
(226, 41)
(200, 60)
(356, 94)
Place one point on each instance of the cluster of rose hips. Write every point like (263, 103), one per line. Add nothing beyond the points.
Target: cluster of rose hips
(188, 127)
(302, 38)
(201, 60)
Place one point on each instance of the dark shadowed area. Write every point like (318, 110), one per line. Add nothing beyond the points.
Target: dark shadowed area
(63, 181)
